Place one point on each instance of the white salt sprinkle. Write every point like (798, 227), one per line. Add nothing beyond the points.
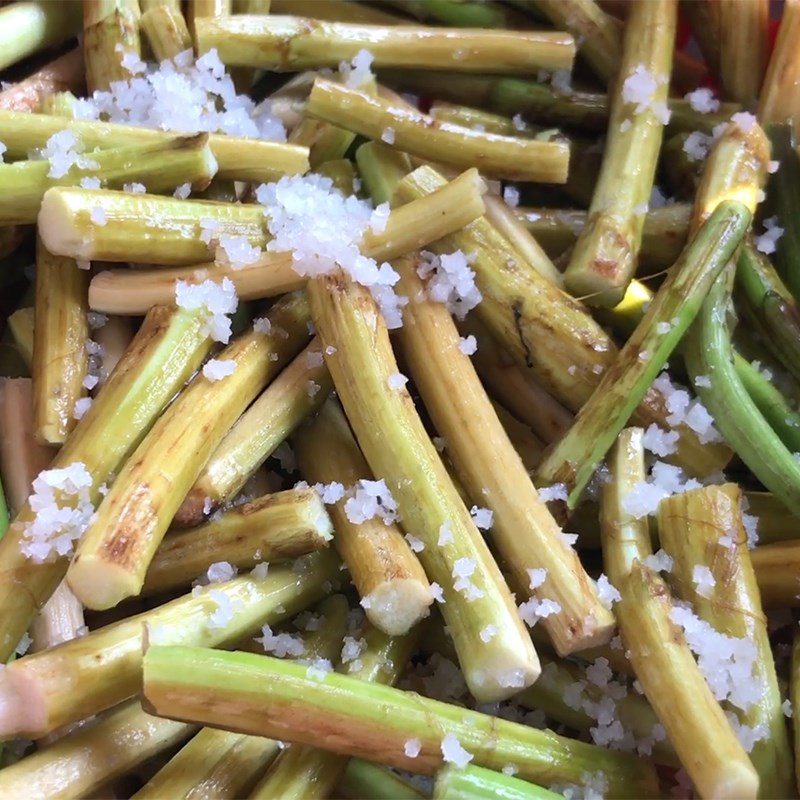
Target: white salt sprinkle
(703, 580)
(371, 499)
(468, 345)
(215, 369)
(397, 381)
(453, 752)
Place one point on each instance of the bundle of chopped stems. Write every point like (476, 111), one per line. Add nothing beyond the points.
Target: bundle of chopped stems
(259, 570)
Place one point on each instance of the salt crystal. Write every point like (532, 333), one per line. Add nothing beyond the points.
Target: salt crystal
(379, 218)
(352, 648)
(453, 752)
(786, 707)
(416, 544)
(703, 580)
(81, 407)
(744, 120)
(358, 71)
(703, 101)
(661, 561)
(482, 517)
(535, 609)
(397, 381)
(282, 644)
(468, 345)
(767, 241)
(183, 191)
(488, 633)
(445, 534)
(262, 325)
(463, 569)
(259, 571)
(388, 135)
(557, 491)
(220, 571)
(134, 188)
(236, 251)
(437, 592)
(217, 300)
(607, 593)
(223, 614)
(216, 369)
(24, 643)
(98, 215)
(537, 577)
(660, 442)
(89, 382)
(330, 492)
(511, 196)
(319, 669)
(371, 499)
(90, 183)
(412, 747)
(703, 381)
(64, 152)
(449, 280)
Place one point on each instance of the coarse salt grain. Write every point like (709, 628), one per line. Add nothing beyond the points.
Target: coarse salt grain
(445, 534)
(703, 580)
(468, 345)
(511, 196)
(607, 592)
(379, 218)
(330, 492)
(216, 369)
(482, 517)
(223, 614)
(412, 747)
(397, 381)
(639, 89)
(98, 215)
(531, 611)
(260, 570)
(358, 71)
(744, 120)
(90, 183)
(388, 135)
(660, 561)
(449, 280)
(219, 572)
(767, 242)
(81, 407)
(371, 499)
(183, 191)
(281, 645)
(453, 752)
(697, 145)
(488, 633)
(703, 101)
(537, 577)
(463, 569)
(217, 300)
(437, 592)
(64, 151)
(134, 188)
(660, 442)
(557, 491)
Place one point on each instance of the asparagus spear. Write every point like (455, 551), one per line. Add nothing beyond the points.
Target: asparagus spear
(689, 528)
(463, 13)
(709, 353)
(521, 309)
(166, 31)
(529, 447)
(386, 573)
(160, 165)
(133, 292)
(44, 691)
(772, 305)
(664, 665)
(540, 103)
(20, 326)
(477, 783)
(168, 348)
(60, 358)
(381, 168)
(26, 28)
(779, 100)
(103, 225)
(418, 134)
(605, 255)
(361, 365)
(113, 555)
(336, 11)
(785, 200)
(777, 569)
(225, 764)
(524, 533)
(280, 699)
(81, 763)
(469, 117)
(110, 33)
(62, 74)
(743, 45)
(275, 527)
(288, 43)
(238, 159)
(305, 771)
(704, 20)
(342, 172)
(598, 34)
(576, 456)
(363, 779)
(774, 518)
(296, 393)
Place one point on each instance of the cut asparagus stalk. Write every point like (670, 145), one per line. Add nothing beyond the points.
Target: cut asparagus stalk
(342, 172)
(30, 27)
(110, 32)
(777, 568)
(469, 117)
(515, 388)
(743, 41)
(521, 309)
(664, 665)
(539, 102)
(85, 676)
(295, 394)
(225, 764)
(381, 168)
(275, 527)
(528, 446)
(779, 99)
(239, 159)
(294, 43)
(60, 358)
(166, 31)
(20, 325)
(772, 305)
(576, 456)
(605, 255)
(133, 292)
(420, 135)
(361, 365)
(785, 200)
(386, 573)
(709, 352)
(103, 225)
(469, 14)
(689, 528)
(63, 74)
(525, 535)
(598, 34)
(169, 347)
(362, 779)
(303, 771)
(279, 699)
(160, 165)
(81, 763)
(114, 553)
(775, 521)
(632, 710)
(663, 237)
(477, 783)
